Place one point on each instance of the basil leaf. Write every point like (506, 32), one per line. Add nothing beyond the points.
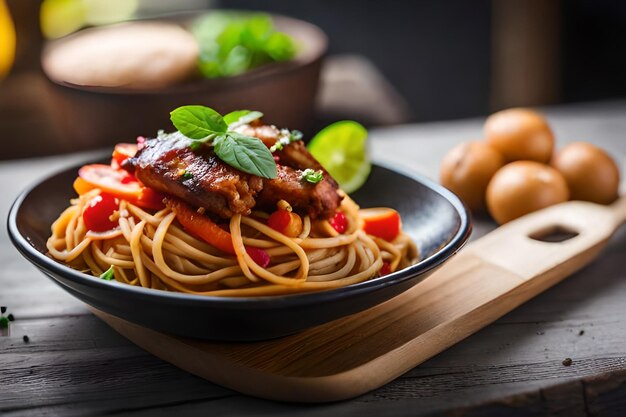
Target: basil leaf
(241, 117)
(256, 30)
(233, 42)
(108, 275)
(237, 61)
(312, 175)
(245, 153)
(198, 122)
(209, 68)
(280, 47)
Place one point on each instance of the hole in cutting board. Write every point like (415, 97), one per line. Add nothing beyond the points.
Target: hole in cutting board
(554, 234)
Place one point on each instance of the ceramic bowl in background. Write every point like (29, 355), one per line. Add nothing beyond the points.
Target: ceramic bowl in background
(93, 117)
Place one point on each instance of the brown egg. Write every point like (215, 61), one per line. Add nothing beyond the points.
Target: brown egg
(591, 174)
(520, 134)
(466, 170)
(523, 187)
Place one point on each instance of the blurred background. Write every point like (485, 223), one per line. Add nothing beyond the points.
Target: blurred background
(387, 62)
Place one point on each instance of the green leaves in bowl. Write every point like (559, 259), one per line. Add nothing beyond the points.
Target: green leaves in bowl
(232, 43)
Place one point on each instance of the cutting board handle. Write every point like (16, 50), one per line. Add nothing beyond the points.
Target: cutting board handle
(619, 208)
(525, 246)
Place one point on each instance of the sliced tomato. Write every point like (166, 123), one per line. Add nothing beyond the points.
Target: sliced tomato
(119, 183)
(259, 256)
(385, 269)
(122, 152)
(201, 226)
(110, 180)
(97, 214)
(339, 222)
(149, 199)
(381, 222)
(285, 222)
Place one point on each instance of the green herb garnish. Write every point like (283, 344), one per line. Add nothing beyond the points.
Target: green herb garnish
(241, 117)
(198, 122)
(108, 275)
(312, 176)
(205, 126)
(295, 135)
(285, 137)
(4, 320)
(187, 175)
(232, 43)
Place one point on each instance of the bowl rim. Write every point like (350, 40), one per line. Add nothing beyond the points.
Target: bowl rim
(53, 268)
(302, 60)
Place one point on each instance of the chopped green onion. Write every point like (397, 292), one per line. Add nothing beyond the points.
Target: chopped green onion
(285, 137)
(108, 275)
(312, 176)
(295, 135)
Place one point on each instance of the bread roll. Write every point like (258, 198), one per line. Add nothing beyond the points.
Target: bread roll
(138, 55)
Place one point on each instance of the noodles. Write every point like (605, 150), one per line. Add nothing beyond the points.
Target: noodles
(151, 249)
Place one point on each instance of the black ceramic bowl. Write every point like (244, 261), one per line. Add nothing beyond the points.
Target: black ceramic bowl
(434, 217)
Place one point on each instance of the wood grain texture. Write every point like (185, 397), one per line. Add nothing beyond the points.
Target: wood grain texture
(504, 369)
(356, 354)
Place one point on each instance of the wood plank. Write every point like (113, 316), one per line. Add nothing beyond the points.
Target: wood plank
(26, 291)
(76, 360)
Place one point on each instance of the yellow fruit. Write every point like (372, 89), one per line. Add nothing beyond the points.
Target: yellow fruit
(7, 40)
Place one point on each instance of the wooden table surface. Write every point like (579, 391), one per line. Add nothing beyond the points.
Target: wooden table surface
(74, 364)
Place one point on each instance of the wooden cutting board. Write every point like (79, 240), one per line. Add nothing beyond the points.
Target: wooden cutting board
(353, 355)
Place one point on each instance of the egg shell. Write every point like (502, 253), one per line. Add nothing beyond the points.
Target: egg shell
(591, 174)
(520, 134)
(522, 187)
(467, 169)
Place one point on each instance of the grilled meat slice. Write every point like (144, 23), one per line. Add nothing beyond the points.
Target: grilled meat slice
(294, 155)
(319, 200)
(168, 165)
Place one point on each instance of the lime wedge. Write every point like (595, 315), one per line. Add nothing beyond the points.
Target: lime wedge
(342, 151)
